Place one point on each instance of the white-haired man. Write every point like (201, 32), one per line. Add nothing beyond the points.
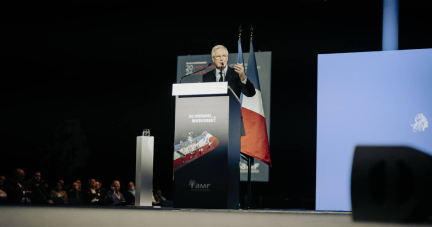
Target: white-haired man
(235, 77)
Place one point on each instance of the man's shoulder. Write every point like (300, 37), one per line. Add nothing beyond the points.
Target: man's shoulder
(211, 72)
(208, 76)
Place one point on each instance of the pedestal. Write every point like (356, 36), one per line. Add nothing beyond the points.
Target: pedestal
(144, 171)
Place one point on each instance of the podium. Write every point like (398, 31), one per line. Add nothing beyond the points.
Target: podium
(144, 171)
(207, 146)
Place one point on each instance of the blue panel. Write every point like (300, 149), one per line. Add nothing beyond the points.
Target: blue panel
(369, 98)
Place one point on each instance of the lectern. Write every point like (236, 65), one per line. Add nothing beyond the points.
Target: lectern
(207, 146)
(144, 171)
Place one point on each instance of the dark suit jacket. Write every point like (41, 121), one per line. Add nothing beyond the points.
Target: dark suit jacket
(13, 190)
(39, 194)
(234, 82)
(88, 196)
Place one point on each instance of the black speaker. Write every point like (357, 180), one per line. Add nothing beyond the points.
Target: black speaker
(391, 184)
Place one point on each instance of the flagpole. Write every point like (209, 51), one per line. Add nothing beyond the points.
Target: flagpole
(240, 32)
(249, 206)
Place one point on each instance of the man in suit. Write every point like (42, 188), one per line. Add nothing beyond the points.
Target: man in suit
(235, 77)
(16, 193)
(92, 196)
(39, 195)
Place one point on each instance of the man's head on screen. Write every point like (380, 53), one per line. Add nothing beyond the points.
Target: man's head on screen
(220, 56)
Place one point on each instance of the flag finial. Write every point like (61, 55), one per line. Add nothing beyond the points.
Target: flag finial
(251, 29)
(240, 32)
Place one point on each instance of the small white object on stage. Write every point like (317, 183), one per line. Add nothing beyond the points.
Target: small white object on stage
(144, 171)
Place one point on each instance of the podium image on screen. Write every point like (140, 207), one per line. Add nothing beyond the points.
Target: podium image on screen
(207, 146)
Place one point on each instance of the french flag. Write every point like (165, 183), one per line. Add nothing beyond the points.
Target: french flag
(255, 143)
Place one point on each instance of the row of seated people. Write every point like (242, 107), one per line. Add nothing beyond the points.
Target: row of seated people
(16, 190)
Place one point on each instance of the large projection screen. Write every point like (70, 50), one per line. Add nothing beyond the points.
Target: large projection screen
(191, 63)
(369, 98)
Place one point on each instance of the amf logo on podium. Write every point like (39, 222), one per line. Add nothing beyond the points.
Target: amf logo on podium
(199, 187)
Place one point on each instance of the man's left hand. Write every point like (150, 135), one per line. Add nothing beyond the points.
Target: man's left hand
(240, 70)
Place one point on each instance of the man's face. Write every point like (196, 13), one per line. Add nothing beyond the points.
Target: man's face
(79, 183)
(75, 186)
(131, 186)
(159, 192)
(93, 183)
(98, 185)
(59, 186)
(20, 175)
(220, 56)
(37, 177)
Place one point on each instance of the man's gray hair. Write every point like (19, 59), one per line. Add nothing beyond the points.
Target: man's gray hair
(217, 47)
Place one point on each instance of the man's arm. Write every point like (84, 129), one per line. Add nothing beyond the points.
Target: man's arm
(246, 86)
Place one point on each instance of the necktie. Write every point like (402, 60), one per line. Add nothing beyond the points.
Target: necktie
(221, 77)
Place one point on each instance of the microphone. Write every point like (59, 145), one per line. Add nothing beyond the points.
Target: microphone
(222, 65)
(195, 72)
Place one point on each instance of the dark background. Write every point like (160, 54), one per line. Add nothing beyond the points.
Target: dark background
(81, 79)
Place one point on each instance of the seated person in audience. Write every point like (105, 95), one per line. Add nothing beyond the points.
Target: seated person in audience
(114, 196)
(154, 202)
(39, 195)
(79, 185)
(3, 195)
(101, 191)
(92, 195)
(74, 192)
(129, 194)
(100, 188)
(159, 195)
(13, 186)
(161, 199)
(59, 193)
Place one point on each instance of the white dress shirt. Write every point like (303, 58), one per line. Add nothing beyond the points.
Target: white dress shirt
(224, 71)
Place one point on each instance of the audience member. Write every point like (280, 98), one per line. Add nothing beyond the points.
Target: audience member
(79, 185)
(39, 195)
(114, 196)
(59, 193)
(14, 189)
(154, 201)
(159, 196)
(102, 192)
(129, 194)
(101, 189)
(3, 195)
(92, 195)
(74, 192)
(161, 200)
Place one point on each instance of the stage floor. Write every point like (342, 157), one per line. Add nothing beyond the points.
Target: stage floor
(43, 216)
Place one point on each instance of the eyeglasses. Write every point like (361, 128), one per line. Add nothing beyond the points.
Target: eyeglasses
(219, 57)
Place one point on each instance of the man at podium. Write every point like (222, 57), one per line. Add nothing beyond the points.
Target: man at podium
(235, 77)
